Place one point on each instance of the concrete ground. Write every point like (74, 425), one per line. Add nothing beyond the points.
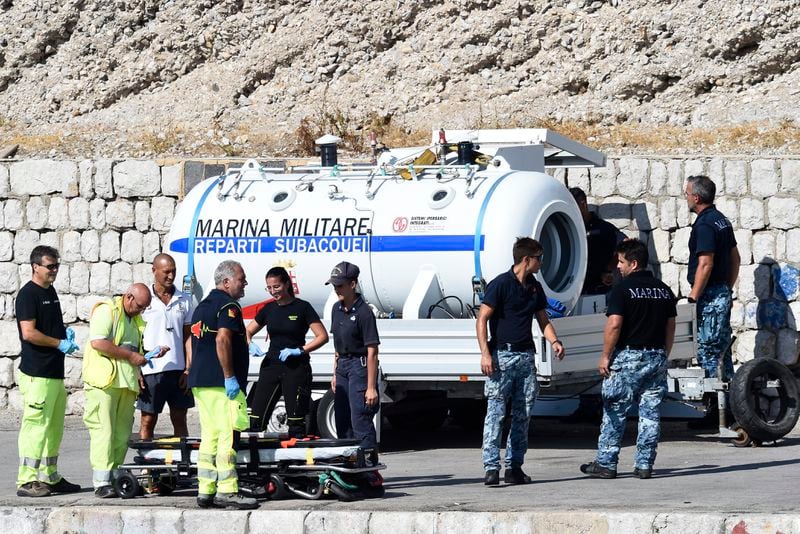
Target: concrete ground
(697, 476)
(441, 470)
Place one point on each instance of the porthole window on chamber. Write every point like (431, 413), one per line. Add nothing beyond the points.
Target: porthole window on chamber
(559, 239)
(441, 197)
(282, 200)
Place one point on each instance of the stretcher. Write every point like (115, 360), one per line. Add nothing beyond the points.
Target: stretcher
(268, 465)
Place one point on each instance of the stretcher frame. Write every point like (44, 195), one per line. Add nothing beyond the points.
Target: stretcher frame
(268, 465)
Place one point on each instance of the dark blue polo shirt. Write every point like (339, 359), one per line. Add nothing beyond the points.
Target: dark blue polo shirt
(354, 329)
(645, 303)
(217, 310)
(514, 307)
(712, 232)
(602, 238)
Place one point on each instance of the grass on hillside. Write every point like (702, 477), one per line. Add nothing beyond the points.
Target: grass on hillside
(179, 141)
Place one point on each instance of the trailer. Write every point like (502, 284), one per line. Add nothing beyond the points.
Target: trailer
(428, 226)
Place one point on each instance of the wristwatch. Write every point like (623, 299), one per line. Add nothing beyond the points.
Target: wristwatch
(691, 300)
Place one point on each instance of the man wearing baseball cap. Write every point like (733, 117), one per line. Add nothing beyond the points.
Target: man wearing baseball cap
(355, 378)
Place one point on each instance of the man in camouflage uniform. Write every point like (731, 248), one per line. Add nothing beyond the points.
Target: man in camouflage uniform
(638, 338)
(511, 301)
(713, 268)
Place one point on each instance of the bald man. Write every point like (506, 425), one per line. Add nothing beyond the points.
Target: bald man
(164, 382)
(111, 380)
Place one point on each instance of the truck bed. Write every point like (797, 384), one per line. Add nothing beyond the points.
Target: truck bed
(444, 350)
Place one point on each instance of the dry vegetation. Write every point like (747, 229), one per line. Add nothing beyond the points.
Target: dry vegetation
(180, 142)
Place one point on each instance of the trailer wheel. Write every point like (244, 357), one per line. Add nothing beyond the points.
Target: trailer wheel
(764, 399)
(127, 485)
(742, 438)
(326, 420)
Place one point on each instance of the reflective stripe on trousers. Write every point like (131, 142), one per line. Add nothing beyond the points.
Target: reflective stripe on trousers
(42, 428)
(216, 459)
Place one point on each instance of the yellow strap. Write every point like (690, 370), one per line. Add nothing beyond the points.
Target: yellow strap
(310, 456)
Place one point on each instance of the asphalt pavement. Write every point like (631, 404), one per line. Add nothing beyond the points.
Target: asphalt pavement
(440, 471)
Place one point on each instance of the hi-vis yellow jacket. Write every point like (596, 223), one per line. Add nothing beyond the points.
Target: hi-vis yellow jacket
(100, 370)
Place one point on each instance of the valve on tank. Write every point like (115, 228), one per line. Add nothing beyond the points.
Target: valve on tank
(466, 153)
(327, 149)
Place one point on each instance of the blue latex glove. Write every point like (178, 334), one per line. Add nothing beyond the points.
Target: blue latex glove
(68, 345)
(152, 354)
(255, 350)
(231, 387)
(288, 353)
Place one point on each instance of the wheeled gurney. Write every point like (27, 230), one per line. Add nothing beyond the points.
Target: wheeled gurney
(268, 465)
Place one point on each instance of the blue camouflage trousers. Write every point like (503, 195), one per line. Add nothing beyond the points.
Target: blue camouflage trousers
(714, 330)
(636, 376)
(514, 379)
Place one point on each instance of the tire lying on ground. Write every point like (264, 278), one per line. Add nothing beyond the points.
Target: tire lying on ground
(764, 399)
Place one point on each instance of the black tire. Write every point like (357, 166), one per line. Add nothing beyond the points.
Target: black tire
(127, 485)
(765, 413)
(341, 493)
(371, 485)
(326, 423)
(280, 488)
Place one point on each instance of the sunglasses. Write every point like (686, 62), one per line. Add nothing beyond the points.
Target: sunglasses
(50, 267)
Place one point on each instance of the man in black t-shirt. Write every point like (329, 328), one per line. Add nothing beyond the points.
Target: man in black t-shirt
(638, 338)
(713, 268)
(601, 239)
(509, 305)
(44, 341)
(218, 376)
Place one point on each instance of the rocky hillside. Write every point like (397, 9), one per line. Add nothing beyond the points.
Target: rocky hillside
(235, 77)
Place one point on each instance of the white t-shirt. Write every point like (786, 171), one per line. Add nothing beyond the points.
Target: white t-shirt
(165, 324)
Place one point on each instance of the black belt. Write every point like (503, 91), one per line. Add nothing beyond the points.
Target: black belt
(348, 356)
(643, 347)
(514, 347)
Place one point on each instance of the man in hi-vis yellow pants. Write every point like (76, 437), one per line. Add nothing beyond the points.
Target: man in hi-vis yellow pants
(111, 381)
(217, 376)
(44, 341)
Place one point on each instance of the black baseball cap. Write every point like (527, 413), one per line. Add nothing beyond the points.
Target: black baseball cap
(343, 273)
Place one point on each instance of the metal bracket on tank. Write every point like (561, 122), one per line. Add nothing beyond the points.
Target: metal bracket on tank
(478, 288)
(248, 167)
(189, 282)
(470, 178)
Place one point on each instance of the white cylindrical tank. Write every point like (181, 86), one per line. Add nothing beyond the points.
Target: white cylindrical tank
(391, 228)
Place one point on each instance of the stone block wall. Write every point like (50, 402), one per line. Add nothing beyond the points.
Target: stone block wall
(643, 196)
(109, 218)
